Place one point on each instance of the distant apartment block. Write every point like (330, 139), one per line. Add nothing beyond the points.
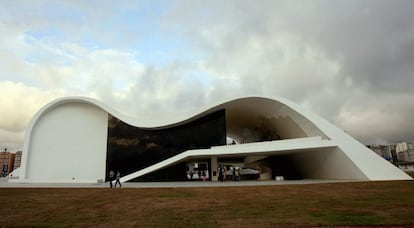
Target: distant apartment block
(18, 159)
(6, 162)
(405, 152)
(401, 154)
(383, 151)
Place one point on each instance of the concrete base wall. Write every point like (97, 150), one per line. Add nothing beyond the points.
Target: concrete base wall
(327, 164)
(68, 143)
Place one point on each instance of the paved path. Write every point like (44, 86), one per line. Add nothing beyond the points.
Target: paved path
(184, 184)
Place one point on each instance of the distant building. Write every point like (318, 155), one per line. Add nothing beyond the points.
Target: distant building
(406, 166)
(381, 150)
(392, 151)
(6, 162)
(401, 155)
(405, 152)
(405, 156)
(18, 159)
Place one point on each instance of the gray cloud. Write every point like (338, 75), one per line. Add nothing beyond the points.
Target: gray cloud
(349, 61)
(329, 56)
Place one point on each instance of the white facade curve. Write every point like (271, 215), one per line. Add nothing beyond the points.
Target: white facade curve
(67, 141)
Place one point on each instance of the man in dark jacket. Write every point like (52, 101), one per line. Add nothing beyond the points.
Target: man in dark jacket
(111, 178)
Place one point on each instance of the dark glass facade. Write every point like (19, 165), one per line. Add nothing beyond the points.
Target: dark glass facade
(130, 148)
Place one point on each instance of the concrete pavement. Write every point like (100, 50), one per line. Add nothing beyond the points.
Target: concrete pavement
(4, 183)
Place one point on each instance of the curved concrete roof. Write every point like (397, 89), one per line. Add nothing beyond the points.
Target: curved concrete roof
(244, 113)
(170, 120)
(240, 108)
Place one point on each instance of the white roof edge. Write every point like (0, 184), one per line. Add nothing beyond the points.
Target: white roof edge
(162, 122)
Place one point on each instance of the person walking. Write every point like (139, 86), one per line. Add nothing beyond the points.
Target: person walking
(203, 175)
(220, 176)
(237, 174)
(118, 176)
(111, 178)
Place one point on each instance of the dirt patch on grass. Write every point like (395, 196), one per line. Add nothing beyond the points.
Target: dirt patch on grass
(347, 204)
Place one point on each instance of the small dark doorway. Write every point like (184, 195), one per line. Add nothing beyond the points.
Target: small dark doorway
(284, 166)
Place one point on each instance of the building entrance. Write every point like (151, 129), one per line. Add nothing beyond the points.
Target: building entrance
(197, 171)
(236, 171)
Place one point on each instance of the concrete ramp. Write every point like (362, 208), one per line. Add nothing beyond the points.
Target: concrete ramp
(268, 148)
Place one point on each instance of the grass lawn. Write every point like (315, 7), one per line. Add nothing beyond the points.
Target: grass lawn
(364, 203)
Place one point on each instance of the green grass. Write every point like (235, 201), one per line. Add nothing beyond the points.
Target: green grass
(348, 204)
(348, 218)
(178, 195)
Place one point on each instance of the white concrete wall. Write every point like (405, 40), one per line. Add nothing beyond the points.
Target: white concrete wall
(68, 143)
(371, 165)
(327, 164)
(292, 124)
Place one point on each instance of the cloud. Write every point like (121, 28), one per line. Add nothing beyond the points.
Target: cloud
(19, 103)
(342, 59)
(349, 61)
(378, 118)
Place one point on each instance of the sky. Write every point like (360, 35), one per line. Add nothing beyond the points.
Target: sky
(350, 61)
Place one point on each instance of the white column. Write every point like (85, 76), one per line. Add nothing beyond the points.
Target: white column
(213, 169)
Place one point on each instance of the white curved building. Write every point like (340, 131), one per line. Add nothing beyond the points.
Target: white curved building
(78, 139)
